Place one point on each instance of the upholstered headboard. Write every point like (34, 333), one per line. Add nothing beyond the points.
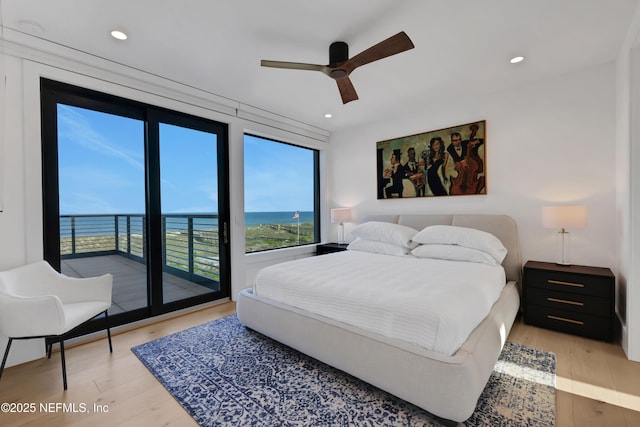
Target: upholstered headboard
(502, 226)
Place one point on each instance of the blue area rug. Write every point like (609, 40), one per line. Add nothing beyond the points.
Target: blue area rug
(226, 375)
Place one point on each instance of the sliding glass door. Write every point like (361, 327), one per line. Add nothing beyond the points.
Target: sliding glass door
(191, 189)
(136, 191)
(101, 198)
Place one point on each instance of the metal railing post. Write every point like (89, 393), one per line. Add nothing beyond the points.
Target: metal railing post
(190, 243)
(129, 234)
(116, 232)
(164, 241)
(144, 237)
(73, 235)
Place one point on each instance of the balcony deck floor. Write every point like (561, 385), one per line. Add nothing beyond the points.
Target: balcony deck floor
(129, 280)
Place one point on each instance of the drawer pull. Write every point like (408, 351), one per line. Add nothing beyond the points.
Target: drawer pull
(558, 282)
(562, 319)
(564, 301)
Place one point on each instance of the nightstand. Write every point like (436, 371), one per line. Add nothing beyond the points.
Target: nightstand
(576, 299)
(327, 248)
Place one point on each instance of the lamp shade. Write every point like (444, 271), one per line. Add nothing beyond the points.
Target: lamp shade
(564, 216)
(340, 215)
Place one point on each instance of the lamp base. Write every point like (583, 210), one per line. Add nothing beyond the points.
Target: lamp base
(341, 234)
(563, 242)
(566, 264)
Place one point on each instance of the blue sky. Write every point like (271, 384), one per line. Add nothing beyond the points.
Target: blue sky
(101, 168)
(277, 176)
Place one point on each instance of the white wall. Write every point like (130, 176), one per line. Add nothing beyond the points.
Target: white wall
(12, 217)
(628, 187)
(549, 142)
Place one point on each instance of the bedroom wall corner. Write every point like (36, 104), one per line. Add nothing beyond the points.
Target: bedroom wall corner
(628, 188)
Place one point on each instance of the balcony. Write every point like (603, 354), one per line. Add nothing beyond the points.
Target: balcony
(91, 245)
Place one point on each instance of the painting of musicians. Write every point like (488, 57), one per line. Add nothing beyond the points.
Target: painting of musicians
(445, 162)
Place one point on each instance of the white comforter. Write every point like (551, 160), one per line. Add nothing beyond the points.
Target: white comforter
(433, 303)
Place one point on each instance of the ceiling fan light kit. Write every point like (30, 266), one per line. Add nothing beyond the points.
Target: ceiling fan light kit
(340, 66)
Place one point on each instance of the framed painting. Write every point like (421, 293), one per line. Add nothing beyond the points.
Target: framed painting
(444, 162)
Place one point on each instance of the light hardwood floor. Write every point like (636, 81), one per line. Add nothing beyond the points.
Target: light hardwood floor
(597, 385)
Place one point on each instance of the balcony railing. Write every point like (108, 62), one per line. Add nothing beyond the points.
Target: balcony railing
(189, 242)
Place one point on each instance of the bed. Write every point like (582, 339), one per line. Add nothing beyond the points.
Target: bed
(444, 378)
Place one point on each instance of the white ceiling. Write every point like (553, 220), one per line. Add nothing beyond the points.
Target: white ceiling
(462, 48)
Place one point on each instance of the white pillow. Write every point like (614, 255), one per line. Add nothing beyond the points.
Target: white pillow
(376, 247)
(453, 253)
(463, 236)
(386, 232)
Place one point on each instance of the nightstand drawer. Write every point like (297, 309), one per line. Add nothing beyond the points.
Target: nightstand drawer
(571, 322)
(559, 281)
(569, 301)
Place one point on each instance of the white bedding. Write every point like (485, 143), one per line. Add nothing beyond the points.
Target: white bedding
(432, 303)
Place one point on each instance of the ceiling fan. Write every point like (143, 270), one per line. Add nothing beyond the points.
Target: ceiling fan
(340, 66)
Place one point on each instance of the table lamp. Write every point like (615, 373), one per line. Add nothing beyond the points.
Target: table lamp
(564, 217)
(341, 215)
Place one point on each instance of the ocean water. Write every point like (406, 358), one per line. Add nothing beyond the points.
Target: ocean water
(257, 218)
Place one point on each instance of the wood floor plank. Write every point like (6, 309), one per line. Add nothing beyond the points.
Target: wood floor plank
(587, 358)
(624, 374)
(165, 413)
(593, 413)
(564, 409)
(121, 383)
(631, 417)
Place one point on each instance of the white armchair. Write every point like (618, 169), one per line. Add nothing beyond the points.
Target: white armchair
(38, 302)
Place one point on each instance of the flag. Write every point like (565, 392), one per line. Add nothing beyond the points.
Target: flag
(296, 215)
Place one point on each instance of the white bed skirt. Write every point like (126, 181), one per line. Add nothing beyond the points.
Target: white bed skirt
(446, 386)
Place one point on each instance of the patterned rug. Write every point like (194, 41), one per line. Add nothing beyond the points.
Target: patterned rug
(226, 375)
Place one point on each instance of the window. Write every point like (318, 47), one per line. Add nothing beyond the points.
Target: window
(281, 196)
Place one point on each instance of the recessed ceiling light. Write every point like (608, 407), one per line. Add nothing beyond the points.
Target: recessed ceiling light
(517, 59)
(328, 115)
(118, 35)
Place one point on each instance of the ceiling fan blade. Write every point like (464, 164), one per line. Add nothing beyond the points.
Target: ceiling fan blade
(293, 65)
(347, 91)
(391, 46)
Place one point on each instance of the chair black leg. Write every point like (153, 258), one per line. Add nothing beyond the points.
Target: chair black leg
(64, 365)
(6, 354)
(106, 316)
(49, 347)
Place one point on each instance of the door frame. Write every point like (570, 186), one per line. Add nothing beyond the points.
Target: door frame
(51, 94)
